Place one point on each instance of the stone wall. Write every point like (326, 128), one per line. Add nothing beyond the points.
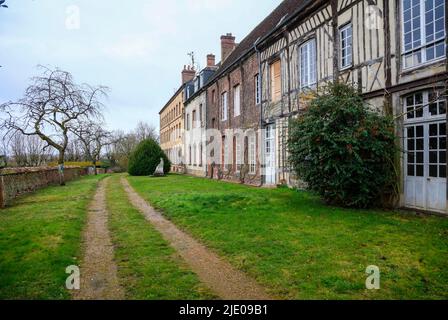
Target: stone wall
(13, 184)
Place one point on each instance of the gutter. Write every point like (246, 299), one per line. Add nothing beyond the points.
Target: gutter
(260, 80)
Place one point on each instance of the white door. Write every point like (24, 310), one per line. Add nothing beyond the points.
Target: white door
(269, 151)
(425, 166)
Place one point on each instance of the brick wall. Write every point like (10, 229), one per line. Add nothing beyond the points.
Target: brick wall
(14, 184)
(243, 75)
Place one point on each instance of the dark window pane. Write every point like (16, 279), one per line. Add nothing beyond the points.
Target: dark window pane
(442, 171)
(420, 144)
(433, 157)
(411, 157)
(440, 50)
(407, 27)
(419, 112)
(433, 130)
(430, 51)
(410, 100)
(442, 107)
(406, 4)
(439, 12)
(416, 13)
(419, 131)
(411, 170)
(442, 128)
(433, 109)
(432, 96)
(442, 144)
(433, 143)
(410, 114)
(433, 171)
(411, 132)
(411, 145)
(420, 157)
(442, 157)
(419, 98)
(419, 171)
(439, 24)
(407, 15)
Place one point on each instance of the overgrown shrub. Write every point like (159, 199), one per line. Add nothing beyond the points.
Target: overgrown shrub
(343, 150)
(145, 159)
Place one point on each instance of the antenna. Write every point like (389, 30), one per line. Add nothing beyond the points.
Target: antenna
(191, 55)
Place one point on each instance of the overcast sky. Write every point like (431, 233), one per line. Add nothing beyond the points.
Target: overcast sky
(137, 48)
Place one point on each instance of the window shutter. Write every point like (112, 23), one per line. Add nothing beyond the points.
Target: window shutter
(276, 78)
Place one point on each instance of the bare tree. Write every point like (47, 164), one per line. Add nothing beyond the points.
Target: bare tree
(18, 152)
(145, 131)
(53, 105)
(94, 138)
(75, 149)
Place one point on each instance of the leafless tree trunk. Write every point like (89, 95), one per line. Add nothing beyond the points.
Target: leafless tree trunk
(53, 104)
(94, 138)
(145, 131)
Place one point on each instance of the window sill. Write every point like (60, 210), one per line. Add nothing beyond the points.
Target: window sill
(422, 66)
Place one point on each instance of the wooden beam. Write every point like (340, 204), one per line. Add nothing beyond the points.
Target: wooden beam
(334, 13)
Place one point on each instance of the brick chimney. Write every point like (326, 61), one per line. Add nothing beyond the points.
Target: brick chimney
(211, 60)
(188, 74)
(227, 46)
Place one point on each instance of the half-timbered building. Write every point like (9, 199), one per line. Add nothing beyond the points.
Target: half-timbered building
(394, 52)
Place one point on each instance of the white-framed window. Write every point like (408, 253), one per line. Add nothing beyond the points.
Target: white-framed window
(252, 154)
(236, 101)
(194, 125)
(346, 35)
(238, 155)
(308, 64)
(189, 155)
(423, 25)
(224, 106)
(194, 155)
(257, 89)
(424, 105)
(226, 156)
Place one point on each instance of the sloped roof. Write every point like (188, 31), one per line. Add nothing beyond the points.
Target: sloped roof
(285, 10)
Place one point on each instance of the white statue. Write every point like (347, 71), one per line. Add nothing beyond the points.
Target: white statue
(159, 170)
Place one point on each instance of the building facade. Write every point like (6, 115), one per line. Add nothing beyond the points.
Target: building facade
(172, 123)
(195, 139)
(394, 52)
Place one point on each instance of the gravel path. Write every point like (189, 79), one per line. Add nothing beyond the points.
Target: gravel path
(99, 279)
(227, 282)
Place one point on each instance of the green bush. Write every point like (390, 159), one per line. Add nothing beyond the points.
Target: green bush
(145, 159)
(343, 150)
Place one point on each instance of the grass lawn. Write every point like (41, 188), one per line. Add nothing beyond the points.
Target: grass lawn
(148, 267)
(40, 236)
(301, 249)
